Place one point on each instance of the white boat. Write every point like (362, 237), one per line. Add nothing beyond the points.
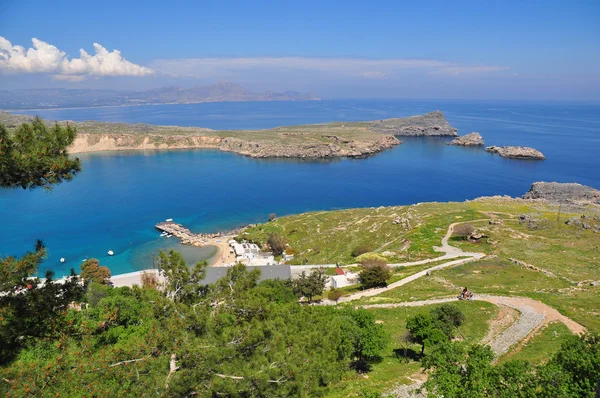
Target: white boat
(169, 219)
(164, 234)
(111, 253)
(169, 235)
(62, 260)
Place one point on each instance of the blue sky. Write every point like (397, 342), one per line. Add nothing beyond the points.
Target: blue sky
(425, 49)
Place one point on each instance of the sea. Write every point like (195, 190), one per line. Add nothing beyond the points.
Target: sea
(114, 203)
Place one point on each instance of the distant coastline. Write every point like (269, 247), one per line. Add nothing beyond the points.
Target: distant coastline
(309, 141)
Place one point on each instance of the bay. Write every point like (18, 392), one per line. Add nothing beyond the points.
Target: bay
(119, 196)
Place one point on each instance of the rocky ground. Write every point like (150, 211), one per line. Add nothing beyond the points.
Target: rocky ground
(472, 139)
(516, 152)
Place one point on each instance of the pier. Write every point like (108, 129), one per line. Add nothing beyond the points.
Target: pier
(186, 236)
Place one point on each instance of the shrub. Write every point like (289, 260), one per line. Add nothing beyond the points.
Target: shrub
(375, 275)
(272, 216)
(360, 249)
(463, 230)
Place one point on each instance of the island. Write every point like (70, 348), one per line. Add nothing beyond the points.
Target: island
(472, 139)
(312, 141)
(516, 152)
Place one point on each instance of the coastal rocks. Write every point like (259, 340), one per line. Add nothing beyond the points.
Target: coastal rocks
(563, 192)
(334, 149)
(516, 152)
(472, 139)
(432, 124)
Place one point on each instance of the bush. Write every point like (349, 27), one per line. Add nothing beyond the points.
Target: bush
(375, 275)
(277, 244)
(272, 216)
(335, 294)
(360, 249)
(463, 230)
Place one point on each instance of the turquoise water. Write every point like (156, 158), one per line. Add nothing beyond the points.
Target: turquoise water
(119, 197)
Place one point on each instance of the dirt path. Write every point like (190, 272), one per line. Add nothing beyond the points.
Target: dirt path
(533, 314)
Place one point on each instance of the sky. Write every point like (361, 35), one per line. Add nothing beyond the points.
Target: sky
(506, 49)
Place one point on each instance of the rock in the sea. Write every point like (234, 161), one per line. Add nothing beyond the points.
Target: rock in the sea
(563, 192)
(516, 152)
(430, 124)
(473, 139)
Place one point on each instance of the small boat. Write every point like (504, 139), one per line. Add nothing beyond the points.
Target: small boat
(169, 219)
(164, 234)
(62, 260)
(169, 235)
(111, 253)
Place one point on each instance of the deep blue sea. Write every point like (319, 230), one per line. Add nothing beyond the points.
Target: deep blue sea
(119, 196)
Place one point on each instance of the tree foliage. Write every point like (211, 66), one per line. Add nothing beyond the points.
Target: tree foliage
(435, 327)
(31, 308)
(374, 274)
(36, 156)
(182, 282)
(310, 285)
(277, 243)
(92, 271)
(237, 337)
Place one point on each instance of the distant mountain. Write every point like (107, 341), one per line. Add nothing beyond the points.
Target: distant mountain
(72, 98)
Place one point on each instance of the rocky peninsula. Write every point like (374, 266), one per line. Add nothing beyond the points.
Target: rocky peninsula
(314, 141)
(563, 192)
(472, 139)
(432, 124)
(516, 152)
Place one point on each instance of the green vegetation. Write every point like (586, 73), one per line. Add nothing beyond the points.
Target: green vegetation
(236, 337)
(36, 156)
(458, 371)
(374, 275)
(435, 327)
(400, 360)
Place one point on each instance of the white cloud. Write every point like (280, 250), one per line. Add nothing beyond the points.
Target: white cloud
(354, 67)
(46, 58)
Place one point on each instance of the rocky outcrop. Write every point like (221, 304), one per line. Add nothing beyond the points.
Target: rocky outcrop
(516, 152)
(563, 192)
(431, 124)
(337, 148)
(472, 139)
